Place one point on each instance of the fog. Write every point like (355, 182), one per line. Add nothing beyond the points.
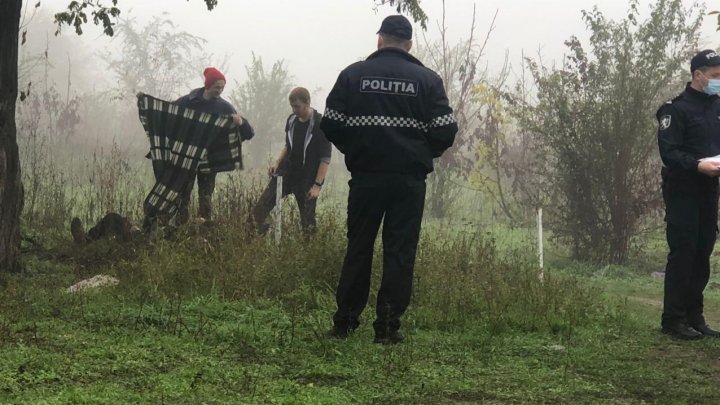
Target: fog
(314, 39)
(317, 38)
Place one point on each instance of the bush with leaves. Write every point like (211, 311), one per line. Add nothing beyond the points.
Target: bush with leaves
(594, 124)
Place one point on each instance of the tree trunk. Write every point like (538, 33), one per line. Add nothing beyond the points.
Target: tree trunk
(11, 191)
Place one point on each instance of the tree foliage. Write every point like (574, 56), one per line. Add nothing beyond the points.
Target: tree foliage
(106, 15)
(499, 152)
(595, 127)
(156, 58)
(410, 7)
(77, 14)
(262, 98)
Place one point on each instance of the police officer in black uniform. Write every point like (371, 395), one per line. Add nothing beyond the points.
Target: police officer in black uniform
(390, 116)
(689, 131)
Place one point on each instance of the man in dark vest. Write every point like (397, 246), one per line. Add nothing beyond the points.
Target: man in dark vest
(303, 163)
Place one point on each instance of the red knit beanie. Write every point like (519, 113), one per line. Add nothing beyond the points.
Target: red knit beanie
(211, 76)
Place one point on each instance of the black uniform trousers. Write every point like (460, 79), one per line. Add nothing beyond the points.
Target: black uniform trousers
(297, 188)
(399, 199)
(691, 213)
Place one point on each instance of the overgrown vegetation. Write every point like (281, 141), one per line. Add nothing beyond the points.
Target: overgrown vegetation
(219, 315)
(594, 125)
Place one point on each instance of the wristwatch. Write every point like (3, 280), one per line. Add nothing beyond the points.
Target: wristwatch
(318, 184)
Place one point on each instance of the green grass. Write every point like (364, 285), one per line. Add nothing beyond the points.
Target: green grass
(101, 349)
(245, 323)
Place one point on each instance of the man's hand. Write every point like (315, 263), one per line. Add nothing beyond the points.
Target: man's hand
(314, 192)
(140, 94)
(273, 169)
(711, 169)
(237, 119)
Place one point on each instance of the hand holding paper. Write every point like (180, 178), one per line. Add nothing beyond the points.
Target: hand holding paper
(710, 166)
(713, 159)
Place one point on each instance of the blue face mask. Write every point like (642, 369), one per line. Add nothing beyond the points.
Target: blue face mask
(712, 87)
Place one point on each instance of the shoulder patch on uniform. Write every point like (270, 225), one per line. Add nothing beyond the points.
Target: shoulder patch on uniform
(665, 121)
(388, 85)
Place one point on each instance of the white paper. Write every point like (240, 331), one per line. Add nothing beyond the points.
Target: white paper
(713, 159)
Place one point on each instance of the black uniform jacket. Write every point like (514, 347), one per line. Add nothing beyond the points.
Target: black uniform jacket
(689, 130)
(390, 114)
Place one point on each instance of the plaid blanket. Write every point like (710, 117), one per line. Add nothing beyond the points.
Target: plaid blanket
(184, 141)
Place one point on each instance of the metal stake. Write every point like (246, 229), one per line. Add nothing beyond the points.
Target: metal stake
(540, 241)
(278, 210)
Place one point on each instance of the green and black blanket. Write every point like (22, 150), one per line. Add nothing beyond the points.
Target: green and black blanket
(184, 141)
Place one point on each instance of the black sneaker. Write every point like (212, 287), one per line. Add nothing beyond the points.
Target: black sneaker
(339, 332)
(390, 338)
(706, 331)
(682, 331)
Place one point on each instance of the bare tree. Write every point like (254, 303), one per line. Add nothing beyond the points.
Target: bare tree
(459, 66)
(156, 58)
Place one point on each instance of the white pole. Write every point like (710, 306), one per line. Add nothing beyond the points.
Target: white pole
(540, 241)
(278, 210)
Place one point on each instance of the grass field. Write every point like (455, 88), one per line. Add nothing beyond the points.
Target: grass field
(228, 318)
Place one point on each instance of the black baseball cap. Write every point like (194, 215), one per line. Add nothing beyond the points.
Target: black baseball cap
(708, 57)
(397, 26)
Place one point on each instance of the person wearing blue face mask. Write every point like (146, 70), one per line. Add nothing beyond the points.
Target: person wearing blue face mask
(688, 132)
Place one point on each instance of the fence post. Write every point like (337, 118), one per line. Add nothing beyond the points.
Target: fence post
(540, 241)
(278, 209)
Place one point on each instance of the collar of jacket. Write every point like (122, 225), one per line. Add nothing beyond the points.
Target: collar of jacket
(197, 94)
(392, 51)
(314, 119)
(699, 95)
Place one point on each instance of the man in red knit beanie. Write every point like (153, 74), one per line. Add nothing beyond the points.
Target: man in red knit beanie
(212, 75)
(207, 99)
(214, 81)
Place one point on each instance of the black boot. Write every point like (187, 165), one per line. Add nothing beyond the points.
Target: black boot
(706, 331)
(682, 331)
